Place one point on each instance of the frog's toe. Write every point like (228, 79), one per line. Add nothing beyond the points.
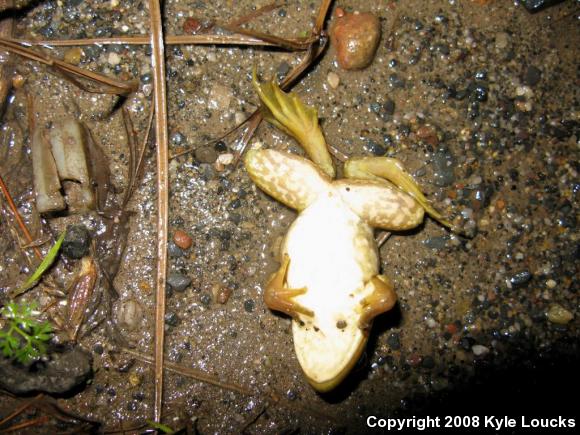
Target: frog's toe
(381, 299)
(278, 297)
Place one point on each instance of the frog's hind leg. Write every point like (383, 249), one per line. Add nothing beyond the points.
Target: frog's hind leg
(384, 168)
(280, 298)
(381, 299)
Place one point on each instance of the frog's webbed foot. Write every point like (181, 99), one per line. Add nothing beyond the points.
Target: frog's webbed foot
(381, 299)
(383, 168)
(289, 114)
(280, 298)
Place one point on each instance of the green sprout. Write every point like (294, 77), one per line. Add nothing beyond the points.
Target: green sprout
(24, 338)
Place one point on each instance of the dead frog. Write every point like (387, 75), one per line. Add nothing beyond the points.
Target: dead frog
(329, 280)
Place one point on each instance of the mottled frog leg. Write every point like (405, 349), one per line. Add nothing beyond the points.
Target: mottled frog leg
(381, 300)
(279, 298)
(380, 204)
(291, 179)
(383, 168)
(289, 114)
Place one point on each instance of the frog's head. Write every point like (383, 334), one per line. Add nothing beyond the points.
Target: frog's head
(328, 351)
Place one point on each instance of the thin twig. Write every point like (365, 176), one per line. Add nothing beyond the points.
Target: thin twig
(108, 85)
(158, 63)
(21, 409)
(19, 219)
(194, 374)
(34, 422)
(235, 39)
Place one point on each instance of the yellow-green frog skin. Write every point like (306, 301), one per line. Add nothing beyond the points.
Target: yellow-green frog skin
(329, 280)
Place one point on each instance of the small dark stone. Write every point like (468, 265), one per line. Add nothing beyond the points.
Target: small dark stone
(173, 250)
(521, 278)
(437, 242)
(480, 93)
(282, 13)
(139, 396)
(146, 78)
(481, 75)
(112, 392)
(532, 76)
(177, 138)
(205, 300)
(283, 70)
(444, 168)
(249, 305)
(76, 242)
(534, 6)
(98, 349)
(220, 146)
(171, 319)
(394, 341)
(374, 148)
(178, 281)
(466, 343)
(132, 406)
(291, 395)
(428, 362)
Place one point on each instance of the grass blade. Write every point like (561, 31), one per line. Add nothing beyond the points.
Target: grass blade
(44, 265)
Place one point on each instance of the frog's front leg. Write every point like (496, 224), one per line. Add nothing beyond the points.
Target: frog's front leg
(385, 169)
(382, 298)
(280, 298)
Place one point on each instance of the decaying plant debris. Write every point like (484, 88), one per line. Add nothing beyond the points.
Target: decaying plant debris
(163, 120)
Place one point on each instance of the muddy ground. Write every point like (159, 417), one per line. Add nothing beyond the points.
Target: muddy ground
(480, 102)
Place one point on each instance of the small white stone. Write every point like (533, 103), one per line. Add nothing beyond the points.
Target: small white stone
(226, 159)
(431, 323)
(479, 350)
(551, 283)
(333, 79)
(114, 58)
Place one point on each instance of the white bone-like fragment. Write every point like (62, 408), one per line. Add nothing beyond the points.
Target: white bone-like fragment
(68, 141)
(46, 181)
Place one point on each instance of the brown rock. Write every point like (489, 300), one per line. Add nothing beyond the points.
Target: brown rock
(182, 239)
(356, 38)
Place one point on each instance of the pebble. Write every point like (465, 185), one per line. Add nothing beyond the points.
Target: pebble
(333, 80)
(559, 315)
(173, 250)
(178, 281)
(443, 167)
(191, 26)
(221, 294)
(113, 59)
(130, 314)
(551, 283)
(226, 159)
(479, 350)
(205, 155)
(182, 239)
(249, 305)
(394, 341)
(520, 279)
(171, 319)
(73, 55)
(356, 39)
(532, 76)
(77, 242)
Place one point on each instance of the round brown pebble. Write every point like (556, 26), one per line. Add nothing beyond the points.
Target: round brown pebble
(356, 38)
(182, 239)
(191, 26)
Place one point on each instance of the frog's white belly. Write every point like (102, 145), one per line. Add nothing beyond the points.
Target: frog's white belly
(333, 254)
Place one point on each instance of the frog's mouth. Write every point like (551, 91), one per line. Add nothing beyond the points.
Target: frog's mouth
(328, 351)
